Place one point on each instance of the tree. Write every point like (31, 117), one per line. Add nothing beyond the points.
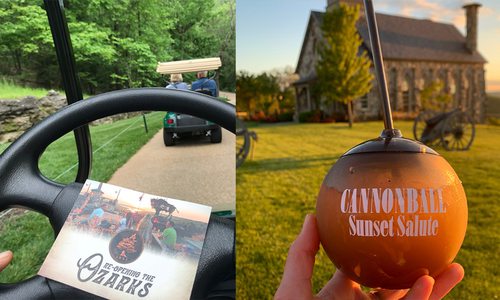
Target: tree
(205, 28)
(434, 97)
(24, 33)
(266, 95)
(343, 70)
(246, 90)
(116, 43)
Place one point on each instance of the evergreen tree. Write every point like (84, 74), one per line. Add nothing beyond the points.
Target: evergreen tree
(343, 71)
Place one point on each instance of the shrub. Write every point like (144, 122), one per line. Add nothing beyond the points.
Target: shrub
(314, 116)
(340, 117)
(494, 121)
(286, 117)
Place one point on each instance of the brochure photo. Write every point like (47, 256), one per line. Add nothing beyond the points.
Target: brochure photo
(123, 244)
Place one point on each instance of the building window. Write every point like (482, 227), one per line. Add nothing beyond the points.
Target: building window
(467, 92)
(453, 87)
(393, 89)
(303, 99)
(364, 101)
(406, 95)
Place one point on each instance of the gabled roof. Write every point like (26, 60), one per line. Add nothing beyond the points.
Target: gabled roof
(412, 39)
(314, 15)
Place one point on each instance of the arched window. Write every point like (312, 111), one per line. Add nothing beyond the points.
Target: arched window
(406, 92)
(393, 88)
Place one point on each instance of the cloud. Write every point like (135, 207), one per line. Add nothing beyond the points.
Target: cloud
(450, 11)
(444, 10)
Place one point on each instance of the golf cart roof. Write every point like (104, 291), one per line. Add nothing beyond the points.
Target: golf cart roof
(192, 65)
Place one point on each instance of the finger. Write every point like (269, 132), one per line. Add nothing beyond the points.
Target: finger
(391, 294)
(5, 259)
(340, 287)
(296, 282)
(421, 289)
(447, 280)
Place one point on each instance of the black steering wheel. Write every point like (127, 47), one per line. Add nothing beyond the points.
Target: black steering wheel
(22, 184)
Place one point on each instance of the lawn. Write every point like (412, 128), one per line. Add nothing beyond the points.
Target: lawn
(29, 234)
(279, 186)
(9, 90)
(493, 105)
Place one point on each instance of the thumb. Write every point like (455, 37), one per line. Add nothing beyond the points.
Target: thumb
(296, 282)
(5, 259)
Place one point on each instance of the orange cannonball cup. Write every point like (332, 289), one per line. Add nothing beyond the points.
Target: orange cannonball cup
(390, 211)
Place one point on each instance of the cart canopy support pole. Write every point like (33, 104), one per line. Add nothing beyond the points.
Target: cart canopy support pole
(70, 81)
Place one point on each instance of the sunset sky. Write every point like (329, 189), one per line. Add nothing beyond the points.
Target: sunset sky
(127, 197)
(270, 32)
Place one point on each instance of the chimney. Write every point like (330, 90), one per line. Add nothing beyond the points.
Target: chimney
(471, 11)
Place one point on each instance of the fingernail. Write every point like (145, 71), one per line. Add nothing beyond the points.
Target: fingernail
(5, 254)
(307, 220)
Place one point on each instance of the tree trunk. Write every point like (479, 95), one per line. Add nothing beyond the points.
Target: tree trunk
(349, 113)
(17, 61)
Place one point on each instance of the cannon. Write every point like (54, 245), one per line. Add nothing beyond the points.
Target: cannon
(454, 130)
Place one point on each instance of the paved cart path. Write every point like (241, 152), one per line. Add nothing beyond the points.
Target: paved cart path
(194, 170)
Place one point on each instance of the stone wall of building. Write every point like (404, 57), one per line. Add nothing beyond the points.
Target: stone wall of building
(18, 115)
(464, 82)
(305, 100)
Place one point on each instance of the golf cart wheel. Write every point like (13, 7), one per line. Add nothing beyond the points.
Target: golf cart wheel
(458, 132)
(168, 138)
(216, 135)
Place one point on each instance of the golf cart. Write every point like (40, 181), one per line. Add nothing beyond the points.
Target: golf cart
(23, 185)
(177, 125)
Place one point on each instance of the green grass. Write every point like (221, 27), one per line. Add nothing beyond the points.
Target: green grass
(29, 235)
(279, 186)
(9, 90)
(493, 105)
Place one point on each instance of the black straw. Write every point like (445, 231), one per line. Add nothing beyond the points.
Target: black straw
(378, 61)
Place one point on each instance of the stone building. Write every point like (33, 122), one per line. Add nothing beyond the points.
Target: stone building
(416, 53)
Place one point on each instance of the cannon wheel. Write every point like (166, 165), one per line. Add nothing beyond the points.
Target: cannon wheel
(458, 132)
(242, 142)
(419, 126)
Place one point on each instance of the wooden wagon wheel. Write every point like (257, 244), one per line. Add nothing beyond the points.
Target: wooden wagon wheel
(242, 142)
(458, 132)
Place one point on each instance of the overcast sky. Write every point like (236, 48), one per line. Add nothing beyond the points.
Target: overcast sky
(270, 32)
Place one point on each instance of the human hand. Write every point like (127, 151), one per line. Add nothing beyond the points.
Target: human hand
(296, 281)
(5, 259)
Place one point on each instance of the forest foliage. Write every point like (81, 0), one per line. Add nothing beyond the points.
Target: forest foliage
(268, 96)
(116, 43)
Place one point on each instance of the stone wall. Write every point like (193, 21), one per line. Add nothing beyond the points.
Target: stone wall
(16, 116)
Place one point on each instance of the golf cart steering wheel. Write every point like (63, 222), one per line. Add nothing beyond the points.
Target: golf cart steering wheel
(22, 184)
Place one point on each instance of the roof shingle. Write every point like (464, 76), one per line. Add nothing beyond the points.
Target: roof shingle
(415, 39)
